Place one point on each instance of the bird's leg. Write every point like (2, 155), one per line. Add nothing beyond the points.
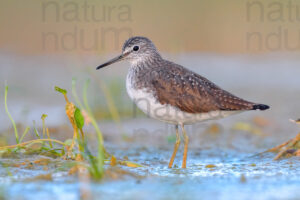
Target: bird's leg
(186, 143)
(175, 147)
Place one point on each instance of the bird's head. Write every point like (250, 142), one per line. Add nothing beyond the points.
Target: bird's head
(135, 50)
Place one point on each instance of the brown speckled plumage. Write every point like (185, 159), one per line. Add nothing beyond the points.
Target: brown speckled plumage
(177, 86)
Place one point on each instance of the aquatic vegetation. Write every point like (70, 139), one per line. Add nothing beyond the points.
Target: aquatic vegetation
(46, 130)
(114, 105)
(25, 133)
(75, 149)
(289, 148)
(77, 121)
(210, 166)
(96, 165)
(110, 102)
(9, 115)
(25, 145)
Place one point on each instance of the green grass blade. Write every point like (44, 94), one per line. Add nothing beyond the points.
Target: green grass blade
(95, 125)
(9, 115)
(75, 95)
(110, 102)
(88, 109)
(24, 134)
(97, 165)
(36, 131)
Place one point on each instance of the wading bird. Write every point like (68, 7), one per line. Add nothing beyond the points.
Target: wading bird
(171, 93)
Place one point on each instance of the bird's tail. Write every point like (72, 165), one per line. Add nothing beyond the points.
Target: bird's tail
(260, 107)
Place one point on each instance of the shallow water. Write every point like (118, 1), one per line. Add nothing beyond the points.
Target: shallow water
(222, 175)
(222, 165)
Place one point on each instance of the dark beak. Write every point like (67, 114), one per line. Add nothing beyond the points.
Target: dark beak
(114, 60)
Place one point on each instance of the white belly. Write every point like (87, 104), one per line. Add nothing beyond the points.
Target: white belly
(167, 113)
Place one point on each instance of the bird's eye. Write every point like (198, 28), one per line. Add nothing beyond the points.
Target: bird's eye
(136, 48)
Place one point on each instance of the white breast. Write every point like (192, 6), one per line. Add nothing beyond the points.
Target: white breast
(146, 101)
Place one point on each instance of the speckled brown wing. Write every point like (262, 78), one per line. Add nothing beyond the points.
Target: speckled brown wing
(192, 93)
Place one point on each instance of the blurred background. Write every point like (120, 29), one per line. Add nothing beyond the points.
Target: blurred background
(250, 48)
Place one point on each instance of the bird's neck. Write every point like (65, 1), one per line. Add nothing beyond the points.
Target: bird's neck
(140, 70)
(146, 61)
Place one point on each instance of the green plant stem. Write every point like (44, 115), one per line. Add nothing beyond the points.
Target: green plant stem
(96, 165)
(24, 134)
(75, 95)
(88, 109)
(94, 123)
(36, 131)
(48, 134)
(9, 115)
(44, 128)
(109, 101)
